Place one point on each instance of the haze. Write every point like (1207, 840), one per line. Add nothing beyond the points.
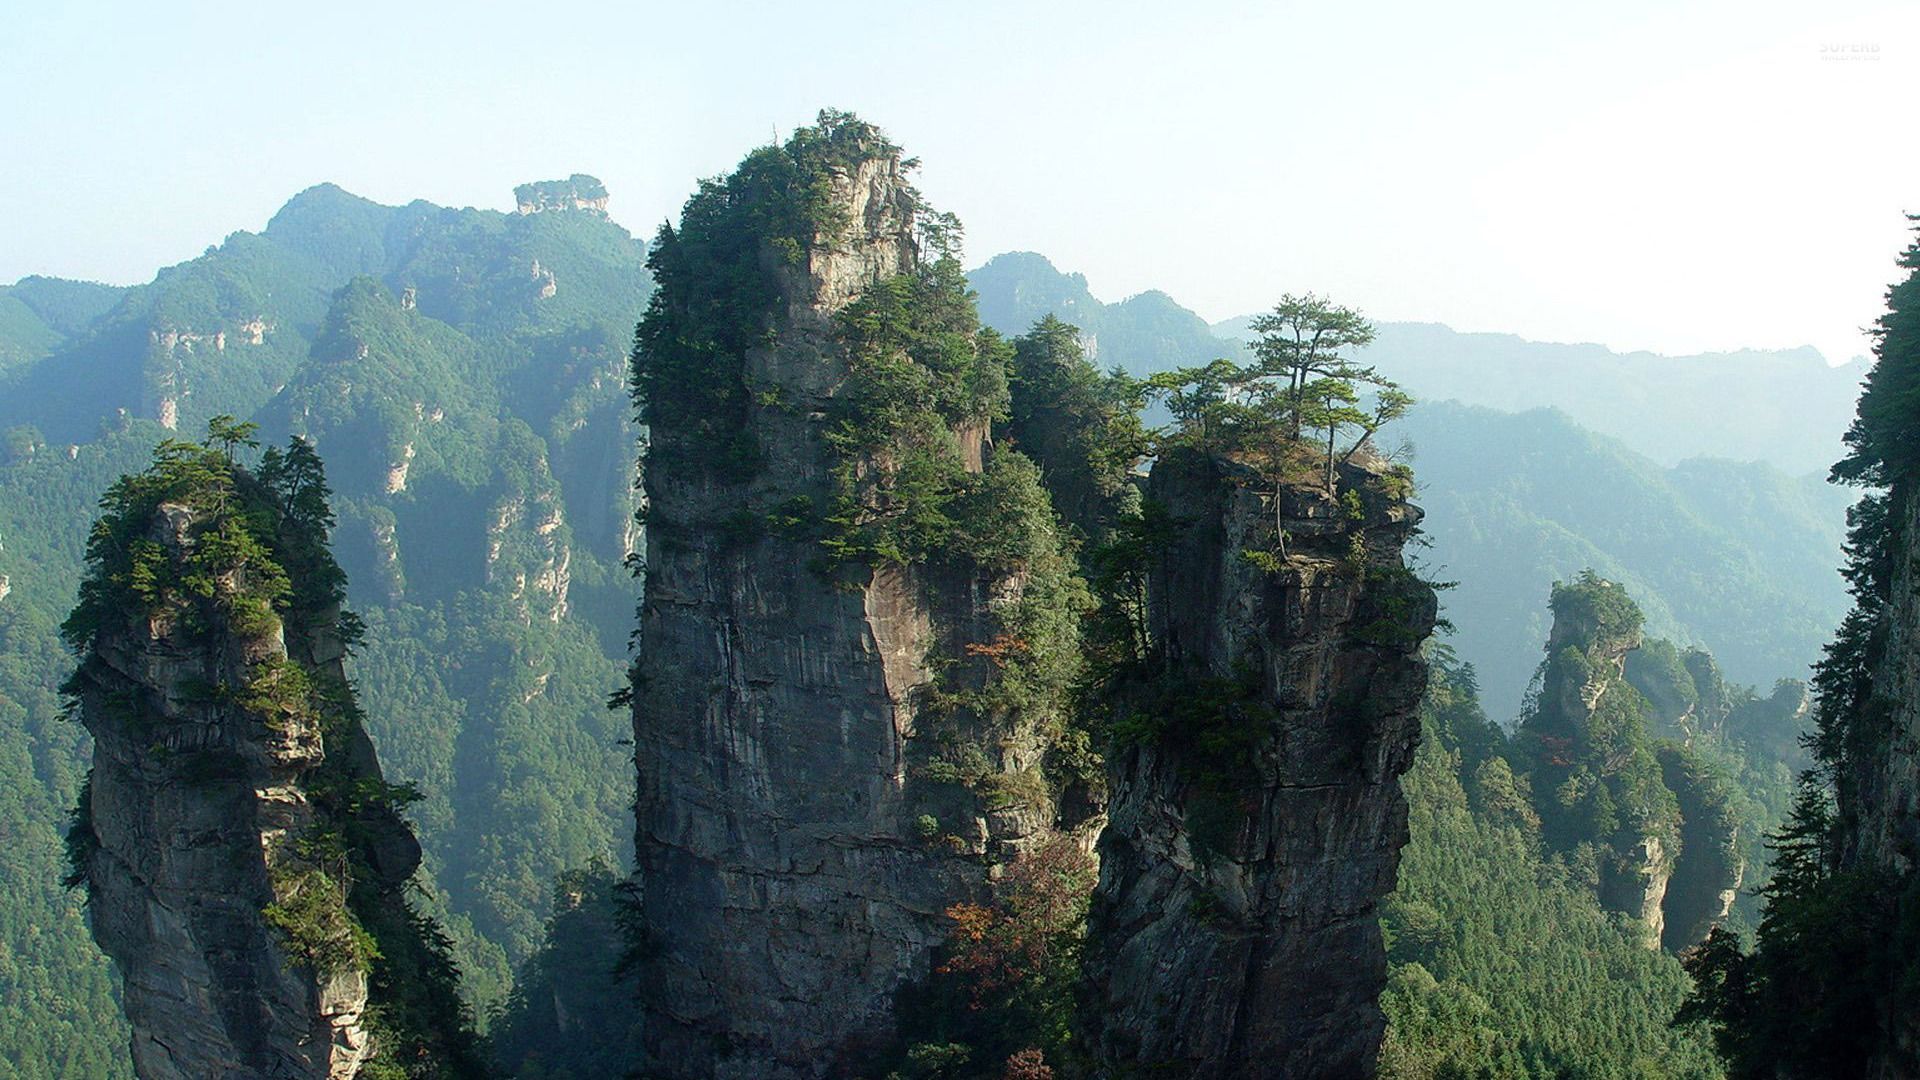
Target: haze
(1706, 177)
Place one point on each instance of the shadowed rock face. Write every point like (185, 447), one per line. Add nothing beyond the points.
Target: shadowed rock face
(787, 892)
(191, 796)
(1886, 786)
(1234, 931)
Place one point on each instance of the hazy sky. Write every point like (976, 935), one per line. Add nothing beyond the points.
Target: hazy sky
(1663, 176)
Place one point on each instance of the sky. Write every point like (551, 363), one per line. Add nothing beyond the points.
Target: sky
(1665, 176)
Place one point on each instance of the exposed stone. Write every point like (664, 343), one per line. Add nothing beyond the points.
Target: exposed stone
(1234, 931)
(193, 798)
(579, 192)
(1706, 878)
(786, 889)
(397, 471)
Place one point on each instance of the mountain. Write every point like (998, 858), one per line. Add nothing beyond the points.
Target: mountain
(1787, 407)
(1142, 334)
(1828, 986)
(1738, 557)
(867, 791)
(463, 371)
(38, 313)
(245, 863)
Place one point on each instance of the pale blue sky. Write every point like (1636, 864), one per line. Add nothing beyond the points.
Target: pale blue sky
(1673, 177)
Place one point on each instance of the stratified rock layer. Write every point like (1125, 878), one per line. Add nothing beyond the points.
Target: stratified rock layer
(192, 799)
(1234, 931)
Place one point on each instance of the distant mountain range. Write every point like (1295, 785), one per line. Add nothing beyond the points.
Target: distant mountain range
(1695, 480)
(1785, 407)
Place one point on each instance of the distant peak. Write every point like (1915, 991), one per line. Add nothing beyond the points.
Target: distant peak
(576, 192)
(1020, 258)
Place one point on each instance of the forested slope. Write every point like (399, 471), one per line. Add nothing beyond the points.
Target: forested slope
(480, 353)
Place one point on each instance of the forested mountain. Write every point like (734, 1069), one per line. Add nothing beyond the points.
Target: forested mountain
(244, 860)
(1786, 407)
(37, 314)
(463, 371)
(1738, 557)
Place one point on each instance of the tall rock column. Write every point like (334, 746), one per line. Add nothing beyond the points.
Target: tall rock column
(242, 855)
(1256, 816)
(806, 811)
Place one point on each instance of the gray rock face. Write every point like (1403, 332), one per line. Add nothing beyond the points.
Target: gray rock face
(192, 797)
(788, 886)
(1887, 790)
(1234, 931)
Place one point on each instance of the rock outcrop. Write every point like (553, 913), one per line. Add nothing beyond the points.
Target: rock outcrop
(235, 802)
(579, 193)
(1654, 822)
(1256, 816)
(794, 858)
(1706, 878)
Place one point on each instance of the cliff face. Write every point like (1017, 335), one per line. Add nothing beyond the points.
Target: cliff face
(1885, 785)
(793, 860)
(198, 806)
(1255, 828)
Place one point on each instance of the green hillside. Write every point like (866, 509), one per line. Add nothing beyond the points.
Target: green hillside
(485, 352)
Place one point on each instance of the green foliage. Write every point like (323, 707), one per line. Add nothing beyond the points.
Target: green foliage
(1588, 749)
(718, 277)
(311, 881)
(1500, 964)
(571, 1016)
(1300, 384)
(920, 374)
(1835, 952)
(498, 717)
(1082, 428)
(224, 570)
(1601, 607)
(1735, 556)
(1005, 981)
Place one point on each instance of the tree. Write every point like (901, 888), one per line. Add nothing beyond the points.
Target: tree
(1300, 382)
(229, 433)
(1302, 339)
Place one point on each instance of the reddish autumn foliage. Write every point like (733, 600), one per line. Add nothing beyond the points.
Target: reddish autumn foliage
(1033, 922)
(1029, 1064)
(1000, 650)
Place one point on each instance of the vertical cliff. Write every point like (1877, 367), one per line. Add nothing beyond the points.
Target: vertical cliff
(1879, 783)
(242, 855)
(1256, 817)
(840, 709)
